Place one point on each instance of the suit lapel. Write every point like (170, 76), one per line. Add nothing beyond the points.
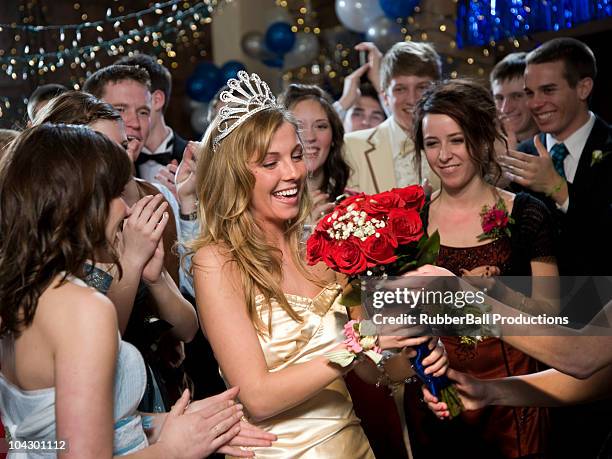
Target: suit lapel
(379, 158)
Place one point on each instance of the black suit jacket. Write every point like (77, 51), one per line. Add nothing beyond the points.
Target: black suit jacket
(178, 147)
(585, 230)
(585, 249)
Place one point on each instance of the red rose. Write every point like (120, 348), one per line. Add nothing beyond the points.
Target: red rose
(357, 199)
(346, 257)
(381, 203)
(413, 195)
(406, 224)
(315, 247)
(325, 222)
(380, 250)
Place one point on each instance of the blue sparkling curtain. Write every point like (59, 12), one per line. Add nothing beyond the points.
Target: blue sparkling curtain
(481, 21)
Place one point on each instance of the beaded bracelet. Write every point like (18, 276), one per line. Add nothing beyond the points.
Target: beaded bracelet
(383, 377)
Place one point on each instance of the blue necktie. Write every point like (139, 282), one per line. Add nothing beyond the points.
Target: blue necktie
(558, 154)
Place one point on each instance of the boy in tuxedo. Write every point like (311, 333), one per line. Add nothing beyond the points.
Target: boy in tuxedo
(570, 162)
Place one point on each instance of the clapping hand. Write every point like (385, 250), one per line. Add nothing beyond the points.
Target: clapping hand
(198, 433)
(248, 436)
(143, 230)
(535, 172)
(151, 273)
(186, 178)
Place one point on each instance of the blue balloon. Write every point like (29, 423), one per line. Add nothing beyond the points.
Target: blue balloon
(196, 88)
(230, 69)
(279, 38)
(205, 81)
(398, 8)
(206, 68)
(275, 62)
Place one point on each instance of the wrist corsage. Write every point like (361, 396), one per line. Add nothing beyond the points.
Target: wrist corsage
(360, 340)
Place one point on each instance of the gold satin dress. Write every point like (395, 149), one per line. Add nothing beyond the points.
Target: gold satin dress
(324, 426)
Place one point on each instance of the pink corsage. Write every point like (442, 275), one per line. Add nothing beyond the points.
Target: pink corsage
(495, 221)
(360, 340)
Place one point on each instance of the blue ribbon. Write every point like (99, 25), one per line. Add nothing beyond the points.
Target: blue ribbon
(435, 384)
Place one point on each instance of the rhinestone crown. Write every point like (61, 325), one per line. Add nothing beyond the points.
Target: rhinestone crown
(246, 96)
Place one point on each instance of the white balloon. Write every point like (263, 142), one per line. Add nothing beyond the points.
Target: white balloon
(384, 33)
(253, 45)
(358, 14)
(305, 50)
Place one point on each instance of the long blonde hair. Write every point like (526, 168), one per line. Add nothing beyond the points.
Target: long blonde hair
(224, 188)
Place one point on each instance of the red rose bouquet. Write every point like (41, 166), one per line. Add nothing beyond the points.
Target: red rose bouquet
(372, 235)
(375, 235)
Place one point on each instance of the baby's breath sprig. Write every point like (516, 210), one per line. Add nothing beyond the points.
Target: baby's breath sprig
(354, 223)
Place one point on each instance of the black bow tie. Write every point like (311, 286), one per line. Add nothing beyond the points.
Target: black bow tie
(161, 158)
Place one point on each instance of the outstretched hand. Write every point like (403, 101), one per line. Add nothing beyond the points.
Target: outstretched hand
(436, 363)
(320, 205)
(166, 176)
(186, 178)
(350, 91)
(374, 58)
(473, 394)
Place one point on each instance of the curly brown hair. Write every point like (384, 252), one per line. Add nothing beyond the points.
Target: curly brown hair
(471, 106)
(56, 185)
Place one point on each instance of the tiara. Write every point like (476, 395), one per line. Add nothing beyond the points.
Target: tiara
(247, 95)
